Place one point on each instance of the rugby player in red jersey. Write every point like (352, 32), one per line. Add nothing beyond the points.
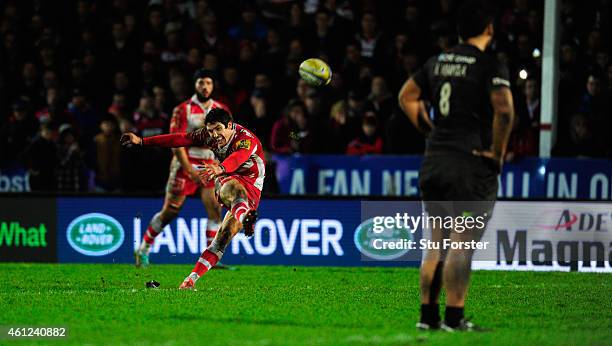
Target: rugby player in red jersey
(183, 179)
(238, 179)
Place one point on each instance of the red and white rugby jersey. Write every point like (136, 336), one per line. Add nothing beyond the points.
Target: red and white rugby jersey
(244, 155)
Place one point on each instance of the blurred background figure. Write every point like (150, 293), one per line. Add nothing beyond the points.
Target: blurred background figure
(17, 133)
(108, 154)
(340, 129)
(41, 161)
(368, 141)
(71, 173)
(290, 134)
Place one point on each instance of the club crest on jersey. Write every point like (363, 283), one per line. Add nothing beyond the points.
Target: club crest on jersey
(243, 144)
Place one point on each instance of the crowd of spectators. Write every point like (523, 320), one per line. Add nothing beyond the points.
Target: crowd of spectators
(75, 74)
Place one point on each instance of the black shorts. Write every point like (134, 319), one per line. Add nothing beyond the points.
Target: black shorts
(468, 183)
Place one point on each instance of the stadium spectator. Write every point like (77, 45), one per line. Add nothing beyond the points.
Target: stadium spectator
(108, 157)
(263, 82)
(77, 75)
(380, 100)
(50, 79)
(52, 99)
(40, 159)
(325, 37)
(122, 85)
(352, 64)
(150, 74)
(232, 93)
(340, 130)
(356, 104)
(247, 64)
(302, 89)
(154, 28)
(211, 62)
(297, 20)
(17, 133)
(71, 171)
(178, 86)
(122, 52)
(255, 115)
(290, 134)
(370, 38)
(593, 102)
(56, 116)
(161, 102)
(525, 137)
(314, 104)
(581, 141)
(273, 54)
(147, 119)
(368, 141)
(173, 52)
(118, 107)
(30, 82)
(85, 118)
(209, 38)
(249, 27)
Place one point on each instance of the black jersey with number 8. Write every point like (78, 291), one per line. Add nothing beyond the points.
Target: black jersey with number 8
(458, 84)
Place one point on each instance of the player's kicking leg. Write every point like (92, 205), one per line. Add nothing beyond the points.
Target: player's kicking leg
(241, 215)
(170, 210)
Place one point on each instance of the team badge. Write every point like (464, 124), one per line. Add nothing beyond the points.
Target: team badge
(243, 144)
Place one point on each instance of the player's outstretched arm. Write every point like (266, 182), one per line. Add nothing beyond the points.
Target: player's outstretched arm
(130, 139)
(173, 140)
(410, 103)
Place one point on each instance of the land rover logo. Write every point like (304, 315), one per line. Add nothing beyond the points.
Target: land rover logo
(364, 240)
(95, 234)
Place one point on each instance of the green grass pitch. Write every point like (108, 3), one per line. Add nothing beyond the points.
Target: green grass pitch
(265, 305)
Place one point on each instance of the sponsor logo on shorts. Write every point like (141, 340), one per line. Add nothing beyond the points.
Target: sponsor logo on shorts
(367, 241)
(95, 234)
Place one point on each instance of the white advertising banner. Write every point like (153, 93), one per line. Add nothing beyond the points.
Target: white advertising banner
(544, 236)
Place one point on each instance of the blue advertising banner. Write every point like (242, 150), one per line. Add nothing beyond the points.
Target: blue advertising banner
(14, 179)
(398, 176)
(521, 235)
(289, 232)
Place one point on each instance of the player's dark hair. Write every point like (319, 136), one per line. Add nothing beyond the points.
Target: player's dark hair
(218, 115)
(203, 73)
(473, 18)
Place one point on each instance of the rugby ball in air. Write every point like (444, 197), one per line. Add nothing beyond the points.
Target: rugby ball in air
(315, 72)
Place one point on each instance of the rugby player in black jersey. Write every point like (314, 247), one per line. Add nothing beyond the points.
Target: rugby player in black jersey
(467, 136)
